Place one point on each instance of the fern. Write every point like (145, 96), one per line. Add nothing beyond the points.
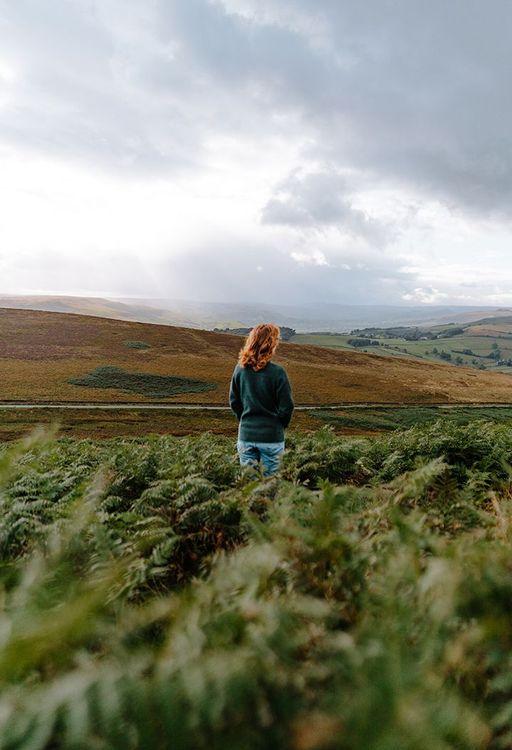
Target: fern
(154, 596)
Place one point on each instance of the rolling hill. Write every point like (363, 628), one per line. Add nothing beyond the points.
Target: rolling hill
(305, 317)
(49, 357)
(132, 310)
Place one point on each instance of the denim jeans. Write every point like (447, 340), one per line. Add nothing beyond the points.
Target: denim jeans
(269, 454)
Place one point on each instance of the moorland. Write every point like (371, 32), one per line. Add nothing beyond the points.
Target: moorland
(52, 357)
(49, 358)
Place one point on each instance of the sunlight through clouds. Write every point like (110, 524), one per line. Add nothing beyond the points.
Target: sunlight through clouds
(231, 135)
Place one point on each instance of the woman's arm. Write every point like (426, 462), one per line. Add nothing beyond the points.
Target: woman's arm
(234, 397)
(285, 403)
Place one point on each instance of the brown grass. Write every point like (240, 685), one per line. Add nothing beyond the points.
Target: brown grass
(490, 329)
(40, 352)
(106, 423)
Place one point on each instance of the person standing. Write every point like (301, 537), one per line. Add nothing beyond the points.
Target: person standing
(260, 395)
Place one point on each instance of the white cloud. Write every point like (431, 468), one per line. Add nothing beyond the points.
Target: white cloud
(425, 296)
(314, 258)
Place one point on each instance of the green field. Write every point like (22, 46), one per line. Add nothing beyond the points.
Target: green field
(340, 341)
(154, 596)
(452, 350)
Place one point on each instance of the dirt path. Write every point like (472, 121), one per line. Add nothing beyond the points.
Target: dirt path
(209, 407)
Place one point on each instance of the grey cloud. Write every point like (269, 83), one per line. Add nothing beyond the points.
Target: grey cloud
(425, 99)
(230, 271)
(82, 92)
(410, 92)
(320, 199)
(396, 92)
(407, 92)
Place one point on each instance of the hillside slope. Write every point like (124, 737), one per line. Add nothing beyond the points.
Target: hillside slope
(40, 352)
(130, 310)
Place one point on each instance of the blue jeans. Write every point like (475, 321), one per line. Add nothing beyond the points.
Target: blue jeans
(269, 454)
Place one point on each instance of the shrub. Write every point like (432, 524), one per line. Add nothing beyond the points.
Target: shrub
(137, 345)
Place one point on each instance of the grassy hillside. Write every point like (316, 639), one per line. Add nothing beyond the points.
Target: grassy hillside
(153, 596)
(44, 356)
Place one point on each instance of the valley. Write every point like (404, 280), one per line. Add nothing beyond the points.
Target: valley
(484, 344)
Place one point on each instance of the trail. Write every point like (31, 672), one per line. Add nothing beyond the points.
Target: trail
(214, 407)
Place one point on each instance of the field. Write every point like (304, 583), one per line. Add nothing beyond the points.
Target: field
(340, 341)
(385, 419)
(154, 596)
(470, 349)
(107, 423)
(44, 354)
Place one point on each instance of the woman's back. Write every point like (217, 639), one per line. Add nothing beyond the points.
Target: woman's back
(262, 401)
(261, 397)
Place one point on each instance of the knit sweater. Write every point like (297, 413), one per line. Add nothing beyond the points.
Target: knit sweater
(262, 402)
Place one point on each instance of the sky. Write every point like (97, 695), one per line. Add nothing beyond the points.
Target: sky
(281, 151)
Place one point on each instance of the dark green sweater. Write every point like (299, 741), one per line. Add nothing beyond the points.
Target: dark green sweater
(262, 402)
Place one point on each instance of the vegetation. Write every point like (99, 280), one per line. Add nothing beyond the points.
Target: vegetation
(386, 419)
(107, 423)
(137, 345)
(146, 384)
(135, 422)
(154, 596)
(408, 333)
(362, 342)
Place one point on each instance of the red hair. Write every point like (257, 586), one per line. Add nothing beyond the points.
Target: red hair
(259, 346)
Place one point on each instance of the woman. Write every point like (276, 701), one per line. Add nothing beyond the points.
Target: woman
(261, 397)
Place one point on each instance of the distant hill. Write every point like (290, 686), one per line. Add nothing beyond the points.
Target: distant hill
(107, 308)
(304, 318)
(495, 326)
(332, 317)
(286, 334)
(48, 356)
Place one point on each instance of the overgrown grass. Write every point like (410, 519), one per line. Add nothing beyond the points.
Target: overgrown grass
(154, 596)
(143, 383)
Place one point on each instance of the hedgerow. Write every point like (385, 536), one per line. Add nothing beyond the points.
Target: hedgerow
(154, 595)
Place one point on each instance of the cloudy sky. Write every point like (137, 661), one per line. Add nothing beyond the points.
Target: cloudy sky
(263, 150)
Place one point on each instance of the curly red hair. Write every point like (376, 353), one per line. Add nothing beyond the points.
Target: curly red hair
(259, 346)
